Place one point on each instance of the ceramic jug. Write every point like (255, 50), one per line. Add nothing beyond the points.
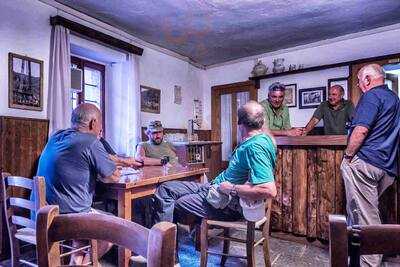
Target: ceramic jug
(259, 69)
(278, 65)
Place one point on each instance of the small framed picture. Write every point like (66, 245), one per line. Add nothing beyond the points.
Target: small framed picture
(25, 82)
(343, 82)
(178, 94)
(150, 99)
(290, 95)
(311, 97)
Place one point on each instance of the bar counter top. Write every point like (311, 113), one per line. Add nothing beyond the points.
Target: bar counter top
(312, 140)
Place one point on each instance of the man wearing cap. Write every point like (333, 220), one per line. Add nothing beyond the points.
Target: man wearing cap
(277, 113)
(155, 149)
(335, 112)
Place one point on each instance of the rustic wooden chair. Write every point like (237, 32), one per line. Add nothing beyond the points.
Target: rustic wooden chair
(17, 208)
(251, 243)
(345, 242)
(156, 244)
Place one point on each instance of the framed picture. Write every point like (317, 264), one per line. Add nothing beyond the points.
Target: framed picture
(290, 95)
(25, 82)
(150, 99)
(343, 82)
(177, 94)
(311, 97)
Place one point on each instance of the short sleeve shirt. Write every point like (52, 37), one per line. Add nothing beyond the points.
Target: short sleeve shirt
(70, 164)
(278, 119)
(252, 161)
(335, 120)
(159, 151)
(379, 110)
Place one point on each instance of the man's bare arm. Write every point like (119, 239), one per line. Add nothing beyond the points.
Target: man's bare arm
(114, 177)
(357, 138)
(310, 125)
(249, 191)
(125, 162)
(141, 157)
(289, 132)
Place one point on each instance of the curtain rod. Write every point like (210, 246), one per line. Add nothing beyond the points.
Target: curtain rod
(96, 35)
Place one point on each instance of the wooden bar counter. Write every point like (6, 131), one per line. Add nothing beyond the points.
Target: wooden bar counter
(309, 184)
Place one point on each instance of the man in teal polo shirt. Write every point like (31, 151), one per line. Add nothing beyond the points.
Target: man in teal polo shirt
(250, 175)
(277, 113)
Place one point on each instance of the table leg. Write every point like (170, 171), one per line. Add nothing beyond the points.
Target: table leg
(125, 212)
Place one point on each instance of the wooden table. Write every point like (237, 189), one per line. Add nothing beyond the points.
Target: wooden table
(144, 184)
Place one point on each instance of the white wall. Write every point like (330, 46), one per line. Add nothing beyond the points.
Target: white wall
(376, 44)
(25, 29)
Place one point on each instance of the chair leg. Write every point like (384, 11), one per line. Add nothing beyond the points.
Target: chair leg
(94, 253)
(265, 234)
(226, 247)
(15, 248)
(203, 243)
(250, 250)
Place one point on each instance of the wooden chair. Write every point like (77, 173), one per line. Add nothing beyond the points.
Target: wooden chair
(251, 244)
(345, 242)
(156, 244)
(17, 209)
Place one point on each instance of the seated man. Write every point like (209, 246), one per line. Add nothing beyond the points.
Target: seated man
(250, 175)
(156, 148)
(72, 161)
(335, 112)
(277, 113)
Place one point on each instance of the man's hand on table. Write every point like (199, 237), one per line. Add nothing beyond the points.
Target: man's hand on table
(295, 132)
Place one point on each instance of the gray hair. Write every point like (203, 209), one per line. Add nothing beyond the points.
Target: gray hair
(83, 114)
(277, 86)
(251, 115)
(372, 70)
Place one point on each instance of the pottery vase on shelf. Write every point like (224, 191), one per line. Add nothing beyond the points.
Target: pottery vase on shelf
(259, 69)
(278, 65)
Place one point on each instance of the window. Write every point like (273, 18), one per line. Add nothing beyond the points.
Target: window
(92, 84)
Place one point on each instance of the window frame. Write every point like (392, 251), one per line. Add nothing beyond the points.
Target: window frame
(81, 64)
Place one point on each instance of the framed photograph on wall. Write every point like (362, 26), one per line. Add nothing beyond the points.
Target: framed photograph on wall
(343, 82)
(311, 97)
(25, 82)
(290, 95)
(150, 99)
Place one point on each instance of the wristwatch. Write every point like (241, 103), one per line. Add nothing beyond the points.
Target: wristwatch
(233, 191)
(345, 156)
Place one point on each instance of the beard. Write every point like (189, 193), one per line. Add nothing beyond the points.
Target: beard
(157, 141)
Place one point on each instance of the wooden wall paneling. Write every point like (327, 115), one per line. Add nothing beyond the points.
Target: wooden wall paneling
(276, 210)
(287, 189)
(326, 188)
(340, 199)
(312, 178)
(299, 203)
(388, 205)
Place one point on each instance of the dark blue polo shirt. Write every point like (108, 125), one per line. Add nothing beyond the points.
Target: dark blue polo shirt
(70, 163)
(379, 110)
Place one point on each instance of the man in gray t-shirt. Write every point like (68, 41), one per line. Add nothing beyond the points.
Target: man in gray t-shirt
(72, 161)
(335, 112)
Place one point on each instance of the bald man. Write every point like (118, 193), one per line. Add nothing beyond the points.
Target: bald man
(370, 162)
(335, 113)
(250, 175)
(72, 161)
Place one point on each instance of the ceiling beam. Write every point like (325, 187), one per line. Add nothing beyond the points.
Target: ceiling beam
(96, 35)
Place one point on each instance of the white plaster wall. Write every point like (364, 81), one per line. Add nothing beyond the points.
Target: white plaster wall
(25, 30)
(371, 45)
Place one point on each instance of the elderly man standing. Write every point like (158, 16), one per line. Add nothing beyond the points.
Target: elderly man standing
(250, 175)
(277, 113)
(156, 148)
(72, 161)
(335, 112)
(370, 162)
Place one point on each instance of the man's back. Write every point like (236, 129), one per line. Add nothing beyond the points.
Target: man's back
(379, 111)
(70, 163)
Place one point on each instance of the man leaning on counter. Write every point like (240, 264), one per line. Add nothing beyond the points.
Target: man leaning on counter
(335, 112)
(277, 113)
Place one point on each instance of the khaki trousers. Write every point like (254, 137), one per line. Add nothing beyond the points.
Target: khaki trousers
(364, 184)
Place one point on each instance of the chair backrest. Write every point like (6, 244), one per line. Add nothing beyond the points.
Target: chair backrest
(13, 199)
(156, 244)
(359, 240)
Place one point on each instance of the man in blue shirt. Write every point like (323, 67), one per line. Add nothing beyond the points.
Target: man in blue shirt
(370, 162)
(72, 161)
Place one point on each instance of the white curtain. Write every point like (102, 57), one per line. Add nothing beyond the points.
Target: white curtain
(226, 126)
(59, 99)
(123, 105)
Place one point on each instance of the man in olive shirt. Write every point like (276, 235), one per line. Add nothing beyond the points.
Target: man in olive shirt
(277, 113)
(155, 149)
(335, 112)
